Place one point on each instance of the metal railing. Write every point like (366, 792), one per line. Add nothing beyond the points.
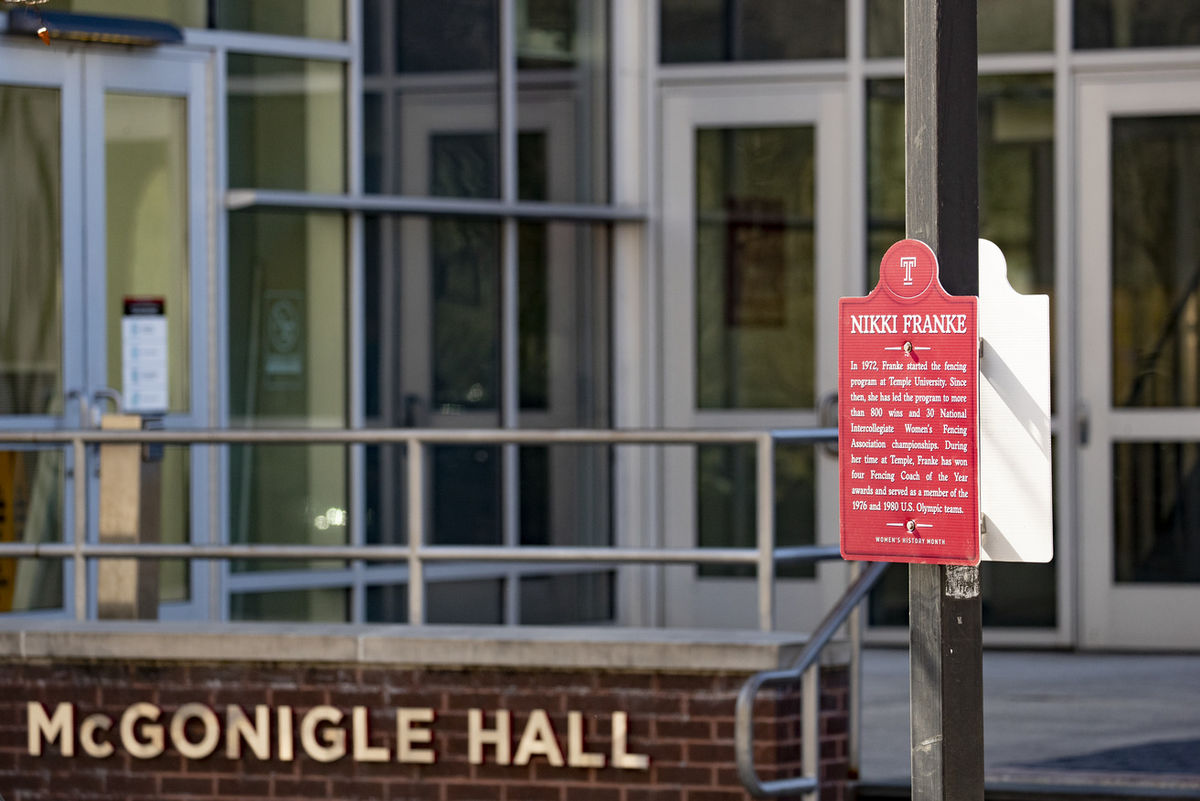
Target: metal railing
(416, 553)
(806, 671)
(765, 557)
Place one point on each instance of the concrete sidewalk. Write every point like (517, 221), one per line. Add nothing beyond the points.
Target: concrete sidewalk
(1056, 718)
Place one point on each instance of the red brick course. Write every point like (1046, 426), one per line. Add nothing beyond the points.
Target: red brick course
(682, 721)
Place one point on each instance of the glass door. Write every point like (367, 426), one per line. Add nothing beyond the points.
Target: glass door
(442, 326)
(107, 151)
(754, 259)
(41, 374)
(1138, 240)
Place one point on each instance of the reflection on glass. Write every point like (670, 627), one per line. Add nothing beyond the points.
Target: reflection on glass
(31, 255)
(184, 13)
(287, 351)
(725, 503)
(325, 605)
(695, 31)
(31, 492)
(146, 198)
(286, 123)
(1004, 26)
(1156, 262)
(430, 98)
(755, 256)
(318, 19)
(1147, 23)
(562, 98)
(1156, 512)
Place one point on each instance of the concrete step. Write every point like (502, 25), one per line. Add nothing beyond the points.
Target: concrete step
(1060, 786)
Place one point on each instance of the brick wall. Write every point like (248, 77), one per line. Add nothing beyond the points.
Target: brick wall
(682, 721)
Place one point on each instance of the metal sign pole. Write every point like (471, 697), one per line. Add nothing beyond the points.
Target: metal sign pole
(942, 208)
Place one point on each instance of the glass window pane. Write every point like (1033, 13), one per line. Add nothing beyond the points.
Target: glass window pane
(562, 100)
(696, 31)
(725, 503)
(1004, 26)
(146, 191)
(1016, 176)
(431, 119)
(755, 256)
(287, 311)
(318, 19)
(287, 352)
(478, 603)
(567, 599)
(1146, 23)
(326, 605)
(288, 495)
(184, 13)
(286, 123)
(432, 327)
(1156, 512)
(387, 604)
(448, 36)
(1015, 595)
(31, 267)
(175, 521)
(31, 489)
(466, 314)
(1156, 262)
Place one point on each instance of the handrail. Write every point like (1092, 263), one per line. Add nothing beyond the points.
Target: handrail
(744, 711)
(428, 553)
(424, 436)
(764, 555)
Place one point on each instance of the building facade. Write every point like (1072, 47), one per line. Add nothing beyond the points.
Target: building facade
(532, 214)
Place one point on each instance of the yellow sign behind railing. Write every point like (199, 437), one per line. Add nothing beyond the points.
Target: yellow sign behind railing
(14, 505)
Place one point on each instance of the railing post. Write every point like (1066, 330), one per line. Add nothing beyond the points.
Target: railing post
(765, 522)
(810, 737)
(416, 531)
(854, 630)
(81, 516)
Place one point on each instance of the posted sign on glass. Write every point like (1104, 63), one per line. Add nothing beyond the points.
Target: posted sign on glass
(908, 440)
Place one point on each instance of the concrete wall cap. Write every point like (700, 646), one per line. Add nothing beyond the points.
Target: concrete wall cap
(566, 648)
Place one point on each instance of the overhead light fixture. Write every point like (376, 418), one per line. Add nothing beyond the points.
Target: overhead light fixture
(49, 25)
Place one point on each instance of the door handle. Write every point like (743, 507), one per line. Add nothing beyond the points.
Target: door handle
(1083, 422)
(112, 396)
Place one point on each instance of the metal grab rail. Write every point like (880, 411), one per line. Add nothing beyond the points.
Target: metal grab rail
(417, 441)
(804, 670)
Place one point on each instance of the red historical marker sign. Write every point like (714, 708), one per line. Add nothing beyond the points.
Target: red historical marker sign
(908, 417)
